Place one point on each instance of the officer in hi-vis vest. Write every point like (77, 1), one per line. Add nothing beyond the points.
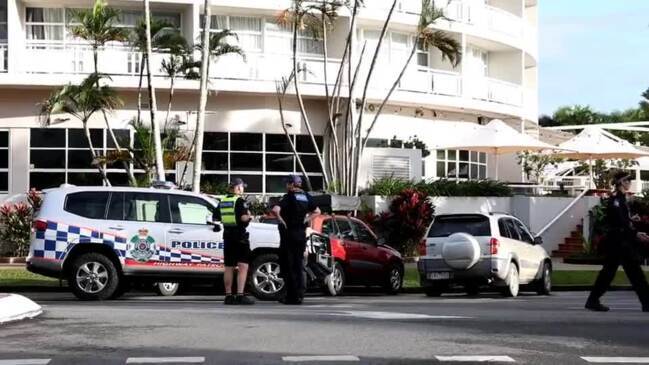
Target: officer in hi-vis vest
(235, 217)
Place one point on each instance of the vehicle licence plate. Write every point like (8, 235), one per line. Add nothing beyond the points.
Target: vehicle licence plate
(438, 275)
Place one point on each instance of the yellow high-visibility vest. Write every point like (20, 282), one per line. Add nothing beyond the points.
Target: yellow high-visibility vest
(226, 206)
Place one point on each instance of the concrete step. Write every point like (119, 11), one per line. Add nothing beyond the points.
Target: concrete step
(573, 241)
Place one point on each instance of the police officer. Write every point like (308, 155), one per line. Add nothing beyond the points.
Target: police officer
(291, 212)
(235, 217)
(620, 248)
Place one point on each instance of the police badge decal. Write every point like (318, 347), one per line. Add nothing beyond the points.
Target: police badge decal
(143, 246)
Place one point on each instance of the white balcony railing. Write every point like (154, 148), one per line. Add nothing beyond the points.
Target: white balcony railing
(78, 59)
(3, 57)
(426, 80)
(504, 92)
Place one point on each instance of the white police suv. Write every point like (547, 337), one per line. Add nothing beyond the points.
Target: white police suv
(100, 239)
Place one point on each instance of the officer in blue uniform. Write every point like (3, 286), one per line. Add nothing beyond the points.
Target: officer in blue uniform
(621, 247)
(291, 212)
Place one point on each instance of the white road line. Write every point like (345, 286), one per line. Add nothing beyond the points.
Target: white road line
(25, 362)
(616, 360)
(320, 358)
(475, 358)
(165, 360)
(391, 315)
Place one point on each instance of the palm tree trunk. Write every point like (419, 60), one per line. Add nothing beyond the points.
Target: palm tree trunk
(139, 89)
(127, 164)
(298, 94)
(200, 118)
(100, 167)
(333, 169)
(171, 97)
(155, 128)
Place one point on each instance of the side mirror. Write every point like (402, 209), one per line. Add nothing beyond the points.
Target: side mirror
(538, 240)
(381, 241)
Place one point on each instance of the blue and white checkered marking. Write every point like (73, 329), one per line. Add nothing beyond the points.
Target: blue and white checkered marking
(54, 242)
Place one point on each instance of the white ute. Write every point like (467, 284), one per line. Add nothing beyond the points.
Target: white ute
(483, 249)
(100, 239)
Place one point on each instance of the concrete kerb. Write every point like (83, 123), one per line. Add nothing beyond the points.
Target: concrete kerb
(14, 307)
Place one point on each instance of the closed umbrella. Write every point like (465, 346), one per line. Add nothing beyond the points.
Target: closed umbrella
(497, 138)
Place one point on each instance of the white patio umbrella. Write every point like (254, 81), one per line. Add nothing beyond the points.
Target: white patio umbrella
(594, 143)
(497, 138)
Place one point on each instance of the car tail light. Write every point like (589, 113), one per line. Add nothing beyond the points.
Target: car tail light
(40, 225)
(493, 246)
(421, 247)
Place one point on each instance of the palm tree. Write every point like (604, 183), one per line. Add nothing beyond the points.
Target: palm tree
(82, 102)
(213, 45)
(178, 63)
(98, 27)
(160, 169)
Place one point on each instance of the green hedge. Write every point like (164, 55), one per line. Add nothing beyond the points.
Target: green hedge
(391, 186)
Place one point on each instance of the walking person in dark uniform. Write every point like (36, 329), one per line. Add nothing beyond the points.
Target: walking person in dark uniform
(235, 217)
(291, 212)
(621, 247)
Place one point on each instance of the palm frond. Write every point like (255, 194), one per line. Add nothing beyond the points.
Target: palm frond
(450, 48)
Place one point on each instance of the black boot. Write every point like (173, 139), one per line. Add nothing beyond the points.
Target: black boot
(242, 299)
(229, 300)
(596, 306)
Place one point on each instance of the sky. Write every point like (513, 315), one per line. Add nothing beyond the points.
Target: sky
(593, 52)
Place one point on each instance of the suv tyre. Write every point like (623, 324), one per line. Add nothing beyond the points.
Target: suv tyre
(513, 282)
(544, 284)
(167, 289)
(93, 276)
(394, 280)
(263, 278)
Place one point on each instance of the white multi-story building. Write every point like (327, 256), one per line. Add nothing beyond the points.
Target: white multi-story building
(497, 78)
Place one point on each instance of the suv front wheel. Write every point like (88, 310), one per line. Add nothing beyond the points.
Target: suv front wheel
(93, 276)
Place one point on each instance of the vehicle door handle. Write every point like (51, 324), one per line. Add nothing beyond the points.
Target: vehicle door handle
(176, 231)
(117, 228)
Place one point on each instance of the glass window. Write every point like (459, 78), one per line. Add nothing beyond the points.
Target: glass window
(304, 144)
(279, 162)
(215, 141)
(78, 159)
(116, 207)
(146, 207)
(123, 137)
(77, 138)
(47, 137)
(311, 163)
(119, 179)
(345, 228)
(246, 141)
(329, 227)
(475, 225)
(4, 139)
(377, 143)
(317, 183)
(44, 24)
(452, 155)
(4, 158)
(90, 204)
(246, 161)
(275, 184)
(4, 181)
(85, 178)
(363, 234)
(44, 180)
(215, 161)
(523, 232)
(502, 228)
(441, 169)
(254, 182)
(277, 143)
(47, 159)
(513, 231)
(189, 209)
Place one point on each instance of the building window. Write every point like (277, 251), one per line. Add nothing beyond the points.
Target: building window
(4, 161)
(59, 156)
(461, 165)
(3, 21)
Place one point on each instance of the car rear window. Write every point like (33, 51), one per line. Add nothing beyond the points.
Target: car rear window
(88, 204)
(475, 225)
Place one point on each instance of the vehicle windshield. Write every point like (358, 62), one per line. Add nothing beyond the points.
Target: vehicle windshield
(475, 225)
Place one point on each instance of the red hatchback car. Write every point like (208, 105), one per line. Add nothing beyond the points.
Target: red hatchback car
(360, 258)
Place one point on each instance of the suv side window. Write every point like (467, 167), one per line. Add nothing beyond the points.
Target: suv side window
(189, 209)
(525, 235)
(344, 228)
(502, 227)
(513, 231)
(363, 234)
(146, 207)
(87, 204)
(329, 227)
(116, 207)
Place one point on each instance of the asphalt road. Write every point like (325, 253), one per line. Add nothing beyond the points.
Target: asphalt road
(347, 330)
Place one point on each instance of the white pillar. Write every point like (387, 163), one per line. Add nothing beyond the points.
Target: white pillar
(19, 160)
(15, 35)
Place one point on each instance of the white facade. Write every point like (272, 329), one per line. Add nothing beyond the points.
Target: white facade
(496, 79)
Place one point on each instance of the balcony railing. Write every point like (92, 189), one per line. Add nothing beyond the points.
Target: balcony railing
(3, 57)
(78, 59)
(504, 92)
(426, 80)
